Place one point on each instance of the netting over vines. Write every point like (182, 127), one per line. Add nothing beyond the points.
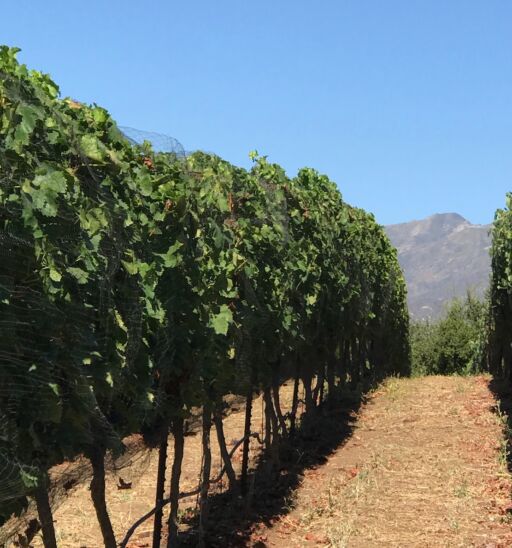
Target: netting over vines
(157, 141)
(138, 282)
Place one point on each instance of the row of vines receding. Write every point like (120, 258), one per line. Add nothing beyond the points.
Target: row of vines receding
(137, 285)
(496, 351)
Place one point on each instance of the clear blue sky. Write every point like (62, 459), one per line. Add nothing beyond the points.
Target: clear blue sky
(406, 104)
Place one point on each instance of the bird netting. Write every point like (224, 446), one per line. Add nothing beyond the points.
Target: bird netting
(65, 239)
(158, 141)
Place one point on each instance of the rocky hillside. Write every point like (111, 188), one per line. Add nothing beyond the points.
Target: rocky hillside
(442, 257)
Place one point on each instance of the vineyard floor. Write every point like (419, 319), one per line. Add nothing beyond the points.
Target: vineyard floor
(425, 466)
(75, 519)
(421, 462)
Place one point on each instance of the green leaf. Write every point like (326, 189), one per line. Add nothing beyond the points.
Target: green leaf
(55, 275)
(54, 181)
(29, 480)
(54, 387)
(28, 123)
(131, 268)
(146, 185)
(93, 148)
(171, 258)
(220, 322)
(120, 322)
(81, 275)
(44, 192)
(222, 203)
(109, 379)
(99, 115)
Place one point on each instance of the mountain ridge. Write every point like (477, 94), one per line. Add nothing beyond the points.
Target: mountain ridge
(442, 256)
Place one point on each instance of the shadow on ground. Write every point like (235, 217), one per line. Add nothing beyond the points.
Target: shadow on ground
(233, 521)
(502, 391)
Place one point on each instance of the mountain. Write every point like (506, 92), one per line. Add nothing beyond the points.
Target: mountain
(442, 257)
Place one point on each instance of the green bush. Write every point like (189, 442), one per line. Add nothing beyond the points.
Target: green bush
(450, 345)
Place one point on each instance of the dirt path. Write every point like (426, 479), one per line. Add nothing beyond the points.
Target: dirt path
(425, 466)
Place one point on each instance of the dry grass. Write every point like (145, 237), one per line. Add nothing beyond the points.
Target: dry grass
(426, 467)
